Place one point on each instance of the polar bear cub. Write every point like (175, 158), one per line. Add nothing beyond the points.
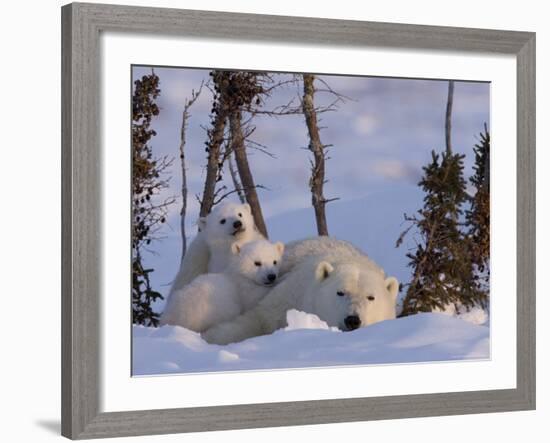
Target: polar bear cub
(214, 298)
(210, 251)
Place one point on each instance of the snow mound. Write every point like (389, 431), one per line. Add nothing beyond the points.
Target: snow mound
(302, 320)
(476, 315)
(309, 342)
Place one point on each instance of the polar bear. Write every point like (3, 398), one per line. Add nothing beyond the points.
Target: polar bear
(217, 297)
(326, 277)
(210, 250)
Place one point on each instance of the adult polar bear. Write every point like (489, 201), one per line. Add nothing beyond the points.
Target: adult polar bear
(326, 277)
(210, 251)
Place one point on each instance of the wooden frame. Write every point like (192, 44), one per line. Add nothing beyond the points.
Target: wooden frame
(81, 163)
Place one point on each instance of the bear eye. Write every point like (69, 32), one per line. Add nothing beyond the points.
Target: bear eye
(240, 215)
(370, 297)
(222, 221)
(258, 263)
(340, 293)
(274, 262)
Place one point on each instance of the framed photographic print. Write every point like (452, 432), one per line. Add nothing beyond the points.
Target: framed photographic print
(262, 212)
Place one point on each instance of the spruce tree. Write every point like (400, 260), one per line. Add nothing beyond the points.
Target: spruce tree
(478, 216)
(442, 266)
(148, 214)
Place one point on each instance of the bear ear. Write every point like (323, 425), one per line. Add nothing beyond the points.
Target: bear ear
(324, 269)
(280, 247)
(392, 285)
(247, 208)
(235, 249)
(202, 223)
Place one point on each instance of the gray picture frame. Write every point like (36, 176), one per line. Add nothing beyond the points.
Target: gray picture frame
(81, 208)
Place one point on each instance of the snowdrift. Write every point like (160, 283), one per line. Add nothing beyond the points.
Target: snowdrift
(309, 342)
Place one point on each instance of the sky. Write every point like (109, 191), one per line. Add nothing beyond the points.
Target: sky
(381, 136)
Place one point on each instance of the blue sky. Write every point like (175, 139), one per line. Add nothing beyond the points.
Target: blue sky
(381, 137)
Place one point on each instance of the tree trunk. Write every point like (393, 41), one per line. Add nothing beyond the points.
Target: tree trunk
(234, 177)
(448, 115)
(239, 149)
(184, 117)
(317, 179)
(212, 167)
(183, 210)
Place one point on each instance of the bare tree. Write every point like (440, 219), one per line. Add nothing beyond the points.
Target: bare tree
(239, 149)
(212, 169)
(233, 93)
(448, 115)
(184, 119)
(239, 96)
(317, 179)
(304, 104)
(214, 143)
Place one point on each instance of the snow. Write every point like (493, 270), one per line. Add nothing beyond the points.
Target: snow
(372, 223)
(476, 315)
(303, 320)
(309, 342)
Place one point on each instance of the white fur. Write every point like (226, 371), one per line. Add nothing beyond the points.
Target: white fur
(213, 298)
(321, 268)
(211, 248)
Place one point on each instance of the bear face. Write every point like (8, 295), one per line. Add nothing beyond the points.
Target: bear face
(227, 223)
(349, 295)
(258, 261)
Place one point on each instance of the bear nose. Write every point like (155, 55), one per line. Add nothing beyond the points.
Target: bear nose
(271, 277)
(237, 224)
(352, 322)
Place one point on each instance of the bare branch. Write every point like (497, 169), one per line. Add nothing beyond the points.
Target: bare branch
(259, 147)
(184, 119)
(402, 236)
(233, 191)
(329, 89)
(234, 177)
